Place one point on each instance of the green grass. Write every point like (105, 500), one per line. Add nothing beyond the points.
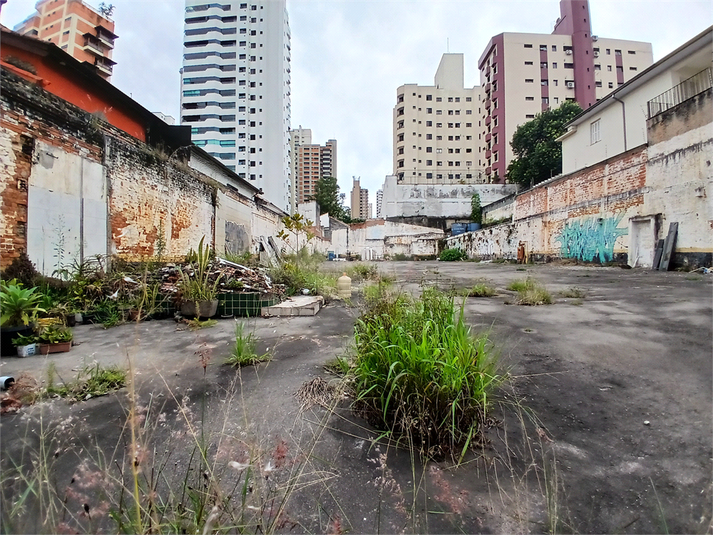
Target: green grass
(298, 273)
(244, 353)
(91, 381)
(481, 289)
(196, 324)
(530, 292)
(419, 373)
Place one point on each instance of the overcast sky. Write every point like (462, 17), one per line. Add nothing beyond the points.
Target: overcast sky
(349, 56)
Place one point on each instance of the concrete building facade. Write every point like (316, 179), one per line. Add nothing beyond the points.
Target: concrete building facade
(235, 89)
(360, 201)
(310, 162)
(85, 33)
(435, 130)
(523, 74)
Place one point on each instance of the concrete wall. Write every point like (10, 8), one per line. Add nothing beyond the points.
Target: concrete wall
(500, 209)
(376, 239)
(442, 200)
(491, 243)
(72, 186)
(679, 176)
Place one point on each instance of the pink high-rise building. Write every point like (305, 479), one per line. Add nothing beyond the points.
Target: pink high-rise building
(523, 74)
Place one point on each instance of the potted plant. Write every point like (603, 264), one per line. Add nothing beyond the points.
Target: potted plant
(27, 345)
(199, 296)
(55, 339)
(19, 307)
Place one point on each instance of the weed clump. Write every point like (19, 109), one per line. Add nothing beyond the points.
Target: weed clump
(574, 293)
(481, 289)
(420, 374)
(452, 255)
(530, 292)
(91, 381)
(244, 353)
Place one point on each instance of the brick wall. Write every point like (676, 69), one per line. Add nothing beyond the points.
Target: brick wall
(584, 215)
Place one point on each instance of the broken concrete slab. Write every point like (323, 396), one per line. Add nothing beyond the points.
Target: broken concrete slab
(298, 305)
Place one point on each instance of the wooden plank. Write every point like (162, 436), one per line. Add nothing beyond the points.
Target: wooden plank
(669, 245)
(658, 253)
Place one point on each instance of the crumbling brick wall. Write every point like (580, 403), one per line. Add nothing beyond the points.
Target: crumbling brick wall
(584, 215)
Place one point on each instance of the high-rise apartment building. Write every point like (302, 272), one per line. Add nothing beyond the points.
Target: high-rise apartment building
(436, 129)
(379, 202)
(360, 201)
(85, 33)
(523, 74)
(310, 163)
(235, 89)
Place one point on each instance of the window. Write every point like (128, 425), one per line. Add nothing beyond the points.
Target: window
(429, 175)
(469, 112)
(529, 63)
(468, 99)
(429, 123)
(468, 125)
(439, 99)
(543, 82)
(529, 98)
(429, 162)
(609, 68)
(597, 67)
(554, 48)
(632, 68)
(556, 100)
(429, 149)
(598, 83)
(439, 125)
(429, 110)
(429, 136)
(555, 82)
(457, 99)
(529, 116)
(450, 99)
(439, 164)
(631, 52)
(450, 112)
(543, 65)
(554, 64)
(611, 85)
(595, 132)
(439, 151)
(608, 52)
(429, 97)
(529, 80)
(527, 46)
(439, 112)
(545, 100)
(569, 65)
(617, 52)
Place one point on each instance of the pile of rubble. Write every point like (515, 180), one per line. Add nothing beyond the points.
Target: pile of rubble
(233, 278)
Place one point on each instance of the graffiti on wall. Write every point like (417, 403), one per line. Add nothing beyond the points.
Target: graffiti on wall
(591, 238)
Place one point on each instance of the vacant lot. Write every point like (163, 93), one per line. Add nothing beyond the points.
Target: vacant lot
(604, 427)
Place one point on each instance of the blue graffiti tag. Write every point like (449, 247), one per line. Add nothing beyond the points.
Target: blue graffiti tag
(589, 238)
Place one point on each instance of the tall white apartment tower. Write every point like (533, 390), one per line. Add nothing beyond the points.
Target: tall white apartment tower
(235, 88)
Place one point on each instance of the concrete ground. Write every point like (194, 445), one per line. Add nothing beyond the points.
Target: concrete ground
(605, 426)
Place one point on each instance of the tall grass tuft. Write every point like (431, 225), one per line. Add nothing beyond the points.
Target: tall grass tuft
(530, 292)
(420, 374)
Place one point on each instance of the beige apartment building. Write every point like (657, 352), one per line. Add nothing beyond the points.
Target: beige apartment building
(523, 74)
(360, 201)
(87, 34)
(435, 129)
(310, 162)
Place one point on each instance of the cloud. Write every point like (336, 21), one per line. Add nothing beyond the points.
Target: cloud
(350, 56)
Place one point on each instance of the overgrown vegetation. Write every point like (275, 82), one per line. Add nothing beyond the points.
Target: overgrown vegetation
(453, 255)
(480, 289)
(574, 293)
(420, 374)
(244, 352)
(530, 292)
(91, 381)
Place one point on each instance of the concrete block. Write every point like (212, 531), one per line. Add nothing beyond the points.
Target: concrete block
(299, 305)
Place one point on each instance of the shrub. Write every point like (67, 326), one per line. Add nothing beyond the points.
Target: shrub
(452, 255)
(419, 373)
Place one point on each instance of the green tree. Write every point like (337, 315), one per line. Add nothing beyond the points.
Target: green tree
(328, 198)
(476, 212)
(537, 155)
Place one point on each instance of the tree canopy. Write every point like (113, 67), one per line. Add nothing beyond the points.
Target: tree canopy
(537, 156)
(328, 197)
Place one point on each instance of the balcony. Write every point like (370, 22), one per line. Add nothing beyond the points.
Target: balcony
(698, 83)
(91, 44)
(487, 137)
(488, 154)
(488, 102)
(488, 170)
(488, 119)
(487, 88)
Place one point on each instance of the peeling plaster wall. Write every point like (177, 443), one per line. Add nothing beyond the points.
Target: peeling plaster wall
(149, 197)
(586, 214)
(491, 243)
(680, 176)
(443, 200)
(376, 238)
(233, 223)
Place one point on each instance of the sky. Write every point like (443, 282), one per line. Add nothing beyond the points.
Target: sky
(350, 56)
